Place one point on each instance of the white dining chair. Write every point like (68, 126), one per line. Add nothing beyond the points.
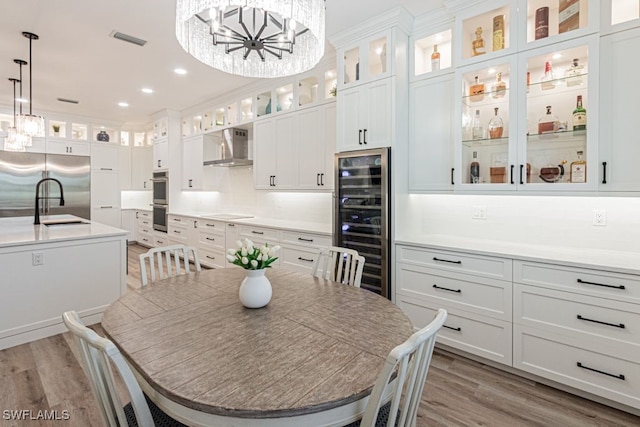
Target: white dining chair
(98, 355)
(409, 362)
(165, 262)
(341, 265)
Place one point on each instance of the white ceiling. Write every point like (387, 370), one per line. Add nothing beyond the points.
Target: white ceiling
(76, 59)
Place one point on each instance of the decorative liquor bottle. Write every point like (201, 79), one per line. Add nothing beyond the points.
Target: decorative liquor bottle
(476, 128)
(578, 172)
(548, 79)
(474, 169)
(498, 32)
(569, 15)
(435, 59)
(478, 44)
(542, 23)
(476, 91)
(496, 126)
(579, 115)
(549, 122)
(498, 88)
(574, 73)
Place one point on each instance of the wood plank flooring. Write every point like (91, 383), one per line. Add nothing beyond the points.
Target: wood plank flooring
(46, 375)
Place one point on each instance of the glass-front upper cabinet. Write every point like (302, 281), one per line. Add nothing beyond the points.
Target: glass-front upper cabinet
(431, 53)
(560, 116)
(246, 109)
(368, 60)
(550, 21)
(263, 104)
(330, 84)
(104, 134)
(125, 136)
(487, 136)
(619, 15)
(308, 90)
(488, 32)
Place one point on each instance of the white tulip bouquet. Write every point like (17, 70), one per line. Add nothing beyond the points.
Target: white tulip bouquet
(249, 257)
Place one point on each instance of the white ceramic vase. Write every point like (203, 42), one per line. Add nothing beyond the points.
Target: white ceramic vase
(255, 290)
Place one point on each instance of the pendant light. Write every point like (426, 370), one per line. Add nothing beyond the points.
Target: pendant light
(30, 124)
(14, 140)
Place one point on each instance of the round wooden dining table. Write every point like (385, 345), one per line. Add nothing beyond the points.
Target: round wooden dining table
(309, 358)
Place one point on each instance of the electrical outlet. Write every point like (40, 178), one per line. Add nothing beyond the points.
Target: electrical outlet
(599, 217)
(37, 258)
(478, 212)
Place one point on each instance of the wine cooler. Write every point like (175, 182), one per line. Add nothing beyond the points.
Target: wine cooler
(361, 212)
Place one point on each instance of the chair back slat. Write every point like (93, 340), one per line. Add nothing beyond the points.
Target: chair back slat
(410, 362)
(98, 356)
(166, 262)
(341, 265)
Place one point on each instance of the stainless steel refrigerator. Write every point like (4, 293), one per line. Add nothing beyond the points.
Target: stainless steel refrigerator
(20, 172)
(362, 214)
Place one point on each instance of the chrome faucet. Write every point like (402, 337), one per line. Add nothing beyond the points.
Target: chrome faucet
(36, 219)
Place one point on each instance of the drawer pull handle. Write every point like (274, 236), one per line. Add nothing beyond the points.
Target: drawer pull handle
(620, 376)
(257, 232)
(459, 329)
(446, 260)
(211, 257)
(620, 325)
(211, 238)
(211, 225)
(459, 291)
(177, 219)
(176, 231)
(601, 284)
(305, 240)
(305, 259)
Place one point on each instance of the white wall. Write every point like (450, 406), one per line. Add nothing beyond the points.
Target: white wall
(559, 221)
(136, 199)
(237, 195)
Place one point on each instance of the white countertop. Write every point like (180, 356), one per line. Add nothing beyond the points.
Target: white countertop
(17, 231)
(309, 227)
(617, 261)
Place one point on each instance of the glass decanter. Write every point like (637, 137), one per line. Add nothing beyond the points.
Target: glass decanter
(574, 73)
(496, 125)
(549, 122)
(498, 88)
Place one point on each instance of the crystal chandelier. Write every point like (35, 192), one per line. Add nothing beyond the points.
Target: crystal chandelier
(15, 141)
(30, 124)
(253, 38)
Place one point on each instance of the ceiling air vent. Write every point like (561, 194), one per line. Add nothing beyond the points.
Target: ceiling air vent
(70, 101)
(127, 38)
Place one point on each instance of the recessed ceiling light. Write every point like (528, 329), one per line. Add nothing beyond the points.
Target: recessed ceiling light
(22, 100)
(147, 90)
(180, 71)
(557, 56)
(123, 104)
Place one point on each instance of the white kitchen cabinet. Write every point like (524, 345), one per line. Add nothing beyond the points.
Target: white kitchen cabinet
(366, 60)
(211, 243)
(109, 215)
(275, 153)
(192, 155)
(430, 137)
(300, 249)
(73, 148)
(105, 157)
(365, 114)
(105, 197)
(316, 131)
(124, 162)
(619, 92)
(141, 168)
(128, 222)
(231, 237)
(161, 154)
(144, 228)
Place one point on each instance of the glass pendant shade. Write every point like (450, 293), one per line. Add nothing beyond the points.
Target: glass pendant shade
(253, 38)
(16, 141)
(30, 125)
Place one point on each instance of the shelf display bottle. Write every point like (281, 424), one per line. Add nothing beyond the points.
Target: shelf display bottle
(542, 23)
(498, 32)
(548, 79)
(569, 15)
(476, 90)
(499, 87)
(474, 169)
(476, 128)
(435, 59)
(579, 115)
(496, 125)
(549, 122)
(578, 170)
(478, 44)
(574, 73)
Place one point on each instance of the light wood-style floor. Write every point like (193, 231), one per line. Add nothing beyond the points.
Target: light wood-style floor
(46, 375)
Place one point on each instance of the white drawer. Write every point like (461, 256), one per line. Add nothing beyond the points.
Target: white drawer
(618, 286)
(211, 258)
(143, 214)
(577, 315)
(178, 235)
(146, 240)
(211, 226)
(177, 221)
(145, 222)
(212, 241)
(305, 239)
(477, 265)
(298, 259)
(558, 358)
(487, 297)
(483, 336)
(159, 241)
(146, 230)
(259, 234)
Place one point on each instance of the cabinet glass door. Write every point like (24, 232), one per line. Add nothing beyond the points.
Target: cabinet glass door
(486, 34)
(432, 53)
(486, 101)
(377, 57)
(557, 101)
(549, 18)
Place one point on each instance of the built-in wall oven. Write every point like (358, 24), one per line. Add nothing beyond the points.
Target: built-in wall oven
(160, 200)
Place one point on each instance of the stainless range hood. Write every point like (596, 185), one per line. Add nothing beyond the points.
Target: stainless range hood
(233, 149)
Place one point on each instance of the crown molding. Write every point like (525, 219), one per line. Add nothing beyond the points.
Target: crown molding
(456, 6)
(398, 17)
(432, 19)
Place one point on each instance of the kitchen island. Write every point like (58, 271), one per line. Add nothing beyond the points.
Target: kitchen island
(70, 264)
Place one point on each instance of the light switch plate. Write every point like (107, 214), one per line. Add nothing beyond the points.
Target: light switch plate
(478, 212)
